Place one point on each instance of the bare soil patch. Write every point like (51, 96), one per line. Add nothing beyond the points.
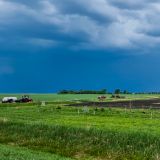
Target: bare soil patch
(150, 103)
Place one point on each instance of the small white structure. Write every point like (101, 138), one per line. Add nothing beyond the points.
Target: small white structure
(9, 99)
(43, 104)
(85, 109)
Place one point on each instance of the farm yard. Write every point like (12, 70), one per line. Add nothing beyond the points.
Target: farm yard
(80, 127)
(79, 80)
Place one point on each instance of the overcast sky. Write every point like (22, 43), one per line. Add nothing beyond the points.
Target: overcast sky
(49, 45)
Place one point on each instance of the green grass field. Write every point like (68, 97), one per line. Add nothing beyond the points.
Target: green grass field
(76, 97)
(8, 152)
(57, 132)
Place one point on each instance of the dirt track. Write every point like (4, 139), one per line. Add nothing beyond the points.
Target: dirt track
(151, 103)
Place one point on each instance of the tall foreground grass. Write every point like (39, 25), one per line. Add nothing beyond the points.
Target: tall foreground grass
(82, 143)
(16, 153)
(108, 134)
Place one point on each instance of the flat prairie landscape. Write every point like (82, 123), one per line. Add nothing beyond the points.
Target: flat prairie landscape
(79, 80)
(63, 130)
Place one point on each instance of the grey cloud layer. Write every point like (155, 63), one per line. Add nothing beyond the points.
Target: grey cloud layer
(91, 24)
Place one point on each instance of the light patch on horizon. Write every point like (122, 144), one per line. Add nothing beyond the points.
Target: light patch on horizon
(6, 70)
(42, 42)
(5, 66)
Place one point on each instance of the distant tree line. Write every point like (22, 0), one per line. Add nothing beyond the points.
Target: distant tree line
(118, 91)
(147, 93)
(103, 91)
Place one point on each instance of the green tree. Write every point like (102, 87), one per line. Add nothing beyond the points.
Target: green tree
(117, 91)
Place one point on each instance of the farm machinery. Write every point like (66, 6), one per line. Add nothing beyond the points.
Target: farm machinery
(102, 98)
(24, 99)
(9, 99)
(117, 96)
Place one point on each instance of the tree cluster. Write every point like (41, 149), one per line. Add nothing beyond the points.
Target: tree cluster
(103, 91)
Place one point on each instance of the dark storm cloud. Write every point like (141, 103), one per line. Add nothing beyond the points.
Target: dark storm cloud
(47, 45)
(92, 24)
(130, 4)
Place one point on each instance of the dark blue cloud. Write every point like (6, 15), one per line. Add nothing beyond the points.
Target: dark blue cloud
(48, 45)
(102, 24)
(132, 5)
(49, 71)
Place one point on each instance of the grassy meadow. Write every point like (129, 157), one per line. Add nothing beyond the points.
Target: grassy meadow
(77, 97)
(58, 132)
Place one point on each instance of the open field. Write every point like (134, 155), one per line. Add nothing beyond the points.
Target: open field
(131, 104)
(76, 97)
(58, 132)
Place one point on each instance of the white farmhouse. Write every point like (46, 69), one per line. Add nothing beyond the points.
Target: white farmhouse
(7, 99)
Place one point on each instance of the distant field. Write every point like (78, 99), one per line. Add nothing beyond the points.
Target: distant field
(58, 132)
(76, 97)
